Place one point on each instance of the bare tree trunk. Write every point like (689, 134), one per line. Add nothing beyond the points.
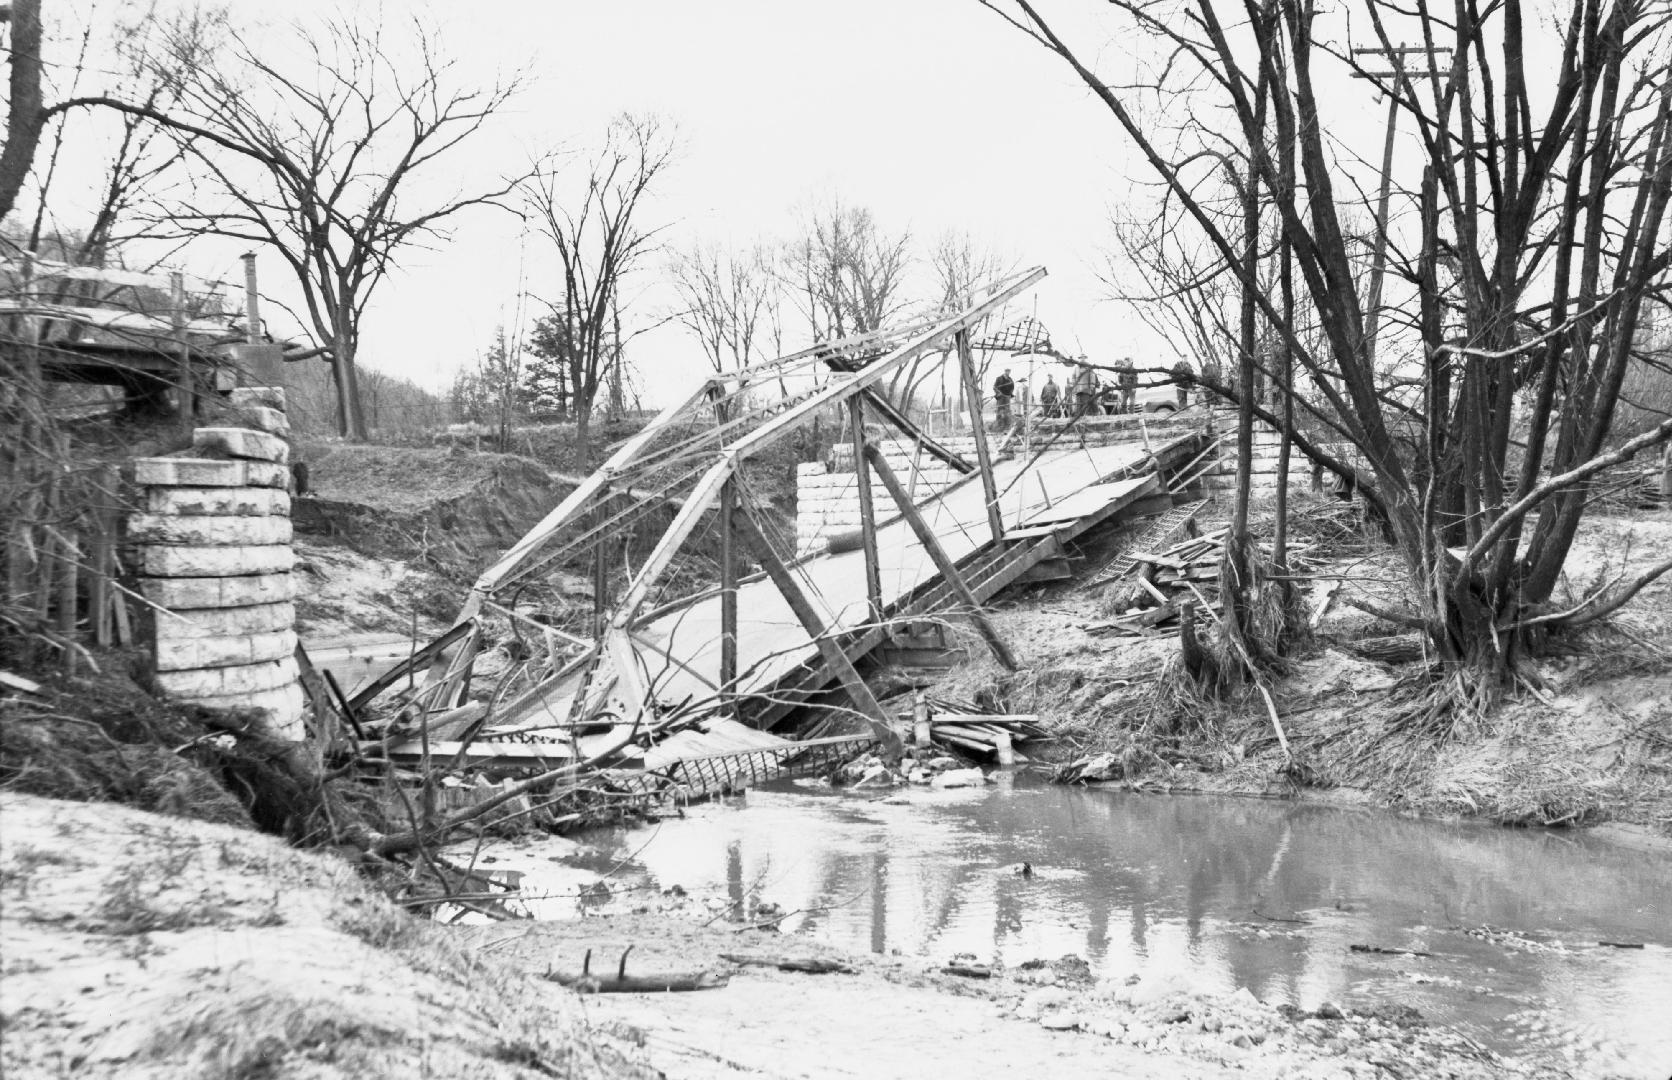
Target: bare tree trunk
(23, 126)
(1234, 566)
(1286, 384)
(617, 400)
(351, 417)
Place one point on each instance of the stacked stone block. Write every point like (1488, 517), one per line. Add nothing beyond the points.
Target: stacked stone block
(827, 496)
(212, 548)
(1263, 462)
(1099, 431)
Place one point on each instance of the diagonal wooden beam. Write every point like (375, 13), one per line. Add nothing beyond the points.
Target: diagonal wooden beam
(829, 651)
(872, 373)
(509, 564)
(728, 589)
(943, 562)
(911, 431)
(983, 456)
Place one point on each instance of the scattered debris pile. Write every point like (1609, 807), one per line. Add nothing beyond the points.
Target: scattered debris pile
(1156, 583)
(961, 726)
(945, 736)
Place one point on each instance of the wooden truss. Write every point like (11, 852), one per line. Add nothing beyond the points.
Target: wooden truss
(690, 455)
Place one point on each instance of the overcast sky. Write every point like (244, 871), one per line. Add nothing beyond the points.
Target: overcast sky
(934, 114)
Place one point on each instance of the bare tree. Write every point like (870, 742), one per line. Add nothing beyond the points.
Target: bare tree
(150, 53)
(961, 265)
(848, 273)
(597, 231)
(334, 160)
(725, 301)
(25, 118)
(1542, 207)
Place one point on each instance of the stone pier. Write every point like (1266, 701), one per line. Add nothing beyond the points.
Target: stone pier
(827, 493)
(212, 550)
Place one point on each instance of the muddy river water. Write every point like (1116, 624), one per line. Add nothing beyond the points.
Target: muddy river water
(1513, 936)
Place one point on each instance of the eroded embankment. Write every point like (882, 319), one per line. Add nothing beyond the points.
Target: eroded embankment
(138, 945)
(1585, 738)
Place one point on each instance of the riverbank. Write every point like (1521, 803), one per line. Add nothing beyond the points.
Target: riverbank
(141, 945)
(883, 1018)
(1586, 739)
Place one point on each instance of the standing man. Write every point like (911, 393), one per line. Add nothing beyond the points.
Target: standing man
(1004, 390)
(1084, 388)
(1183, 377)
(1211, 372)
(1128, 381)
(1049, 396)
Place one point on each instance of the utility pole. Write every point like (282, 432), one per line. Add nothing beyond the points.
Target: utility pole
(617, 399)
(1378, 262)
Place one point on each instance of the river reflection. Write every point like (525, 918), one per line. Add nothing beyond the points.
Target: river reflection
(1212, 894)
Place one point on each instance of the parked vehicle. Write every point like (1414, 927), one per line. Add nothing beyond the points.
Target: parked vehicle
(1162, 398)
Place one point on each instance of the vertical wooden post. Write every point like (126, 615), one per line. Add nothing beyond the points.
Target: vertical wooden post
(183, 359)
(103, 558)
(867, 511)
(728, 592)
(68, 582)
(943, 562)
(600, 573)
(834, 658)
(1379, 258)
(252, 301)
(984, 457)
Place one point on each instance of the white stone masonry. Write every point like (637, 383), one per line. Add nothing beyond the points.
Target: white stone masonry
(212, 547)
(827, 500)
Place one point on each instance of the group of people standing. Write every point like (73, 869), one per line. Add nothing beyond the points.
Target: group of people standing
(1086, 393)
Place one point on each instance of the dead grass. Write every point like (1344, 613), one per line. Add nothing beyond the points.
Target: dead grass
(1587, 737)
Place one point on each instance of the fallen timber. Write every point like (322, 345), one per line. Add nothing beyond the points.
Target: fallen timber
(684, 695)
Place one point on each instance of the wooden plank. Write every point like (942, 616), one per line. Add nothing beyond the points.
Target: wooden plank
(479, 751)
(1144, 583)
(1160, 560)
(984, 718)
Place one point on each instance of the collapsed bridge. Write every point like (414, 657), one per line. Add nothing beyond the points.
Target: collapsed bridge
(673, 682)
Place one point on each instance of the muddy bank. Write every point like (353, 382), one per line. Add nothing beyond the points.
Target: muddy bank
(138, 945)
(450, 510)
(881, 1017)
(1586, 740)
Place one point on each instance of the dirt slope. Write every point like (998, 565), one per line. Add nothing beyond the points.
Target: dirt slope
(1587, 739)
(138, 945)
